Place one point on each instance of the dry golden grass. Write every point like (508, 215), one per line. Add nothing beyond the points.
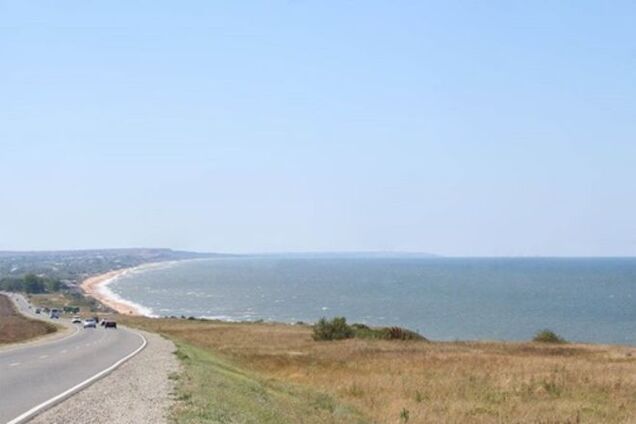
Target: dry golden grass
(420, 382)
(15, 327)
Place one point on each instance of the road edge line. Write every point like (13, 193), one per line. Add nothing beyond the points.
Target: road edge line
(78, 387)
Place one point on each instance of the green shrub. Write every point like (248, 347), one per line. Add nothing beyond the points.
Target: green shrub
(399, 333)
(358, 326)
(385, 333)
(547, 336)
(336, 329)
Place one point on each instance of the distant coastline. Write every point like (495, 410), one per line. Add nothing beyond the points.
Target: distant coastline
(97, 288)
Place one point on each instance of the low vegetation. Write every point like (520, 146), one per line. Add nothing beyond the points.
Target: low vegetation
(335, 329)
(548, 336)
(385, 333)
(214, 390)
(338, 329)
(15, 327)
(284, 369)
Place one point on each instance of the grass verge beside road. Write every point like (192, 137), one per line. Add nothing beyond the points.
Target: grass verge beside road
(15, 327)
(278, 373)
(214, 390)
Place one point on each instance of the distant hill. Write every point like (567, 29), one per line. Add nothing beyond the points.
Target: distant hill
(352, 255)
(74, 265)
(139, 252)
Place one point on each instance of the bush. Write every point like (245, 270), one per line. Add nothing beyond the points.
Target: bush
(360, 326)
(548, 336)
(398, 333)
(362, 331)
(336, 329)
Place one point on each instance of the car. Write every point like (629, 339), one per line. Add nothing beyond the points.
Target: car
(89, 323)
(110, 324)
(76, 320)
(38, 310)
(54, 314)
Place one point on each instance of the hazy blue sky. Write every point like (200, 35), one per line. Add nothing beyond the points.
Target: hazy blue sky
(460, 128)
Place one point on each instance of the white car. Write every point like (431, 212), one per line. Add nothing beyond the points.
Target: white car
(76, 320)
(89, 323)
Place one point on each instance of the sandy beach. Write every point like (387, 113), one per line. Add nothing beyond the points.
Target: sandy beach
(94, 287)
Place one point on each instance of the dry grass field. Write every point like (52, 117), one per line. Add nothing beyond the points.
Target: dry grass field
(14, 327)
(423, 382)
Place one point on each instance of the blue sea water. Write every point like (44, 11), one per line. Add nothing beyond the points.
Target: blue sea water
(590, 300)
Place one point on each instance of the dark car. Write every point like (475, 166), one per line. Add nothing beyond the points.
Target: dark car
(110, 324)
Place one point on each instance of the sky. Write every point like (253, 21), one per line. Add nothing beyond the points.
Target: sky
(460, 128)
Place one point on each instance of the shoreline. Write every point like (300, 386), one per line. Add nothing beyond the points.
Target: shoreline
(96, 287)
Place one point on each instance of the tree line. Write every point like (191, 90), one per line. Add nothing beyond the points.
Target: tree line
(30, 283)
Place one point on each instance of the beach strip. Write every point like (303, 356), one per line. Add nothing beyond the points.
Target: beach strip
(96, 287)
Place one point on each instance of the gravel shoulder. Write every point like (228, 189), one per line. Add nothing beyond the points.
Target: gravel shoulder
(138, 392)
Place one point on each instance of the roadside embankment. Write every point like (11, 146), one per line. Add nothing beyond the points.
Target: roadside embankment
(138, 392)
(274, 373)
(15, 327)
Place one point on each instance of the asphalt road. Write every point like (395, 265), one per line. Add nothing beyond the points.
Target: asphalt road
(36, 373)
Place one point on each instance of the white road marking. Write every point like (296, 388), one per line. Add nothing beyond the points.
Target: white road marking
(44, 356)
(33, 411)
(15, 364)
(64, 351)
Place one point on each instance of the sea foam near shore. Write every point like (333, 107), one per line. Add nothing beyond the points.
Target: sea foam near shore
(104, 290)
(99, 287)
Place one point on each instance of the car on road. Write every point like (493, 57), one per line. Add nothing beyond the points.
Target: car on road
(89, 323)
(110, 324)
(38, 310)
(76, 320)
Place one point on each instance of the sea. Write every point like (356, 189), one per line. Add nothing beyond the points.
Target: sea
(584, 300)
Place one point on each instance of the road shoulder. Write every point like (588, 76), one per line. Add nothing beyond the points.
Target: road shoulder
(138, 392)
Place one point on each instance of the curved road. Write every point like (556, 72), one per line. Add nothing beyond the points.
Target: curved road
(36, 373)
